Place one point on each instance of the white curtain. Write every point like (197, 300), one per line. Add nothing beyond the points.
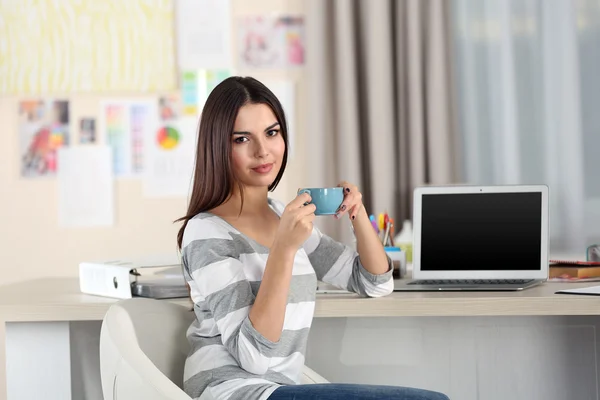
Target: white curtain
(528, 83)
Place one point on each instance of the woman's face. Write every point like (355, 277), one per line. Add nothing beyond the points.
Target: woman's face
(257, 146)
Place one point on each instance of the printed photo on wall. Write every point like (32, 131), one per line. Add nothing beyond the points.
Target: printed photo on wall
(169, 107)
(43, 129)
(271, 41)
(87, 130)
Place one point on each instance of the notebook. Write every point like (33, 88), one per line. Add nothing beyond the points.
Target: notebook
(479, 238)
(589, 291)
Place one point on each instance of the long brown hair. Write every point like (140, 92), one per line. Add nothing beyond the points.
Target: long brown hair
(213, 175)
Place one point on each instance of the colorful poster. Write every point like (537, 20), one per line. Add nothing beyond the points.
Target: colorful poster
(292, 30)
(271, 41)
(86, 46)
(43, 129)
(189, 93)
(125, 125)
(196, 86)
(87, 130)
(117, 137)
(170, 150)
(141, 119)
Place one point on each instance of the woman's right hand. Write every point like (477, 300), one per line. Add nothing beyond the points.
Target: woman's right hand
(296, 223)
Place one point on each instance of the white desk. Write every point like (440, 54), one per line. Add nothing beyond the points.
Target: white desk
(27, 309)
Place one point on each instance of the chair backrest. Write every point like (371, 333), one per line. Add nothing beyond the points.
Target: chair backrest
(143, 350)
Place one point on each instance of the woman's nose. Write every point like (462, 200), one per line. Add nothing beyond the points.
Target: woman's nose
(261, 149)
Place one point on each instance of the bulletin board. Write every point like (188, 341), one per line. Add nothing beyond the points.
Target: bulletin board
(99, 103)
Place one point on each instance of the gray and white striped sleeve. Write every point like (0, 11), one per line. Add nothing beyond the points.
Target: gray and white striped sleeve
(218, 284)
(339, 265)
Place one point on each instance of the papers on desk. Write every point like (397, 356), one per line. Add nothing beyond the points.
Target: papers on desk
(589, 291)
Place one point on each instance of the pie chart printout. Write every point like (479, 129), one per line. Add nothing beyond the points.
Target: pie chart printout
(168, 138)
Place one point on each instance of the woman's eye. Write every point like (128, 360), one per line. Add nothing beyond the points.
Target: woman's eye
(241, 139)
(273, 132)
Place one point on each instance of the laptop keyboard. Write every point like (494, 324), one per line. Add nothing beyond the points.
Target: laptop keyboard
(471, 282)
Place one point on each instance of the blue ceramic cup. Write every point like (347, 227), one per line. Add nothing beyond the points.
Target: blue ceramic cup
(327, 200)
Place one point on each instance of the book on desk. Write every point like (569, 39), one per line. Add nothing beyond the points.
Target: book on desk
(574, 269)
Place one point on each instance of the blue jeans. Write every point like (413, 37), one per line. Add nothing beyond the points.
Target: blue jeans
(343, 391)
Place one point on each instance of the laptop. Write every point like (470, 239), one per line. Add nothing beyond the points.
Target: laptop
(479, 238)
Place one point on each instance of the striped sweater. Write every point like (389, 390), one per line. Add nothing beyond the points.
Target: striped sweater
(229, 359)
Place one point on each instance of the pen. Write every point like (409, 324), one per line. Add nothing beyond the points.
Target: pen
(374, 224)
(386, 235)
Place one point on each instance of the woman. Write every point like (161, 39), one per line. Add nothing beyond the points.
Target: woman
(252, 263)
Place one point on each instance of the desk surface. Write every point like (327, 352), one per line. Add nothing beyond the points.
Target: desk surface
(59, 299)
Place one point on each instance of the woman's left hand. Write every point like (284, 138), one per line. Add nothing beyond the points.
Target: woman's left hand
(352, 203)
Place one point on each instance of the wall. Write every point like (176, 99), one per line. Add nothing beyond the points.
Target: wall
(32, 244)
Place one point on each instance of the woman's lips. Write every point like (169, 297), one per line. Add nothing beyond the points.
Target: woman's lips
(263, 169)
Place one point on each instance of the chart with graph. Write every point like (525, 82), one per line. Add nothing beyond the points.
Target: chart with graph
(168, 137)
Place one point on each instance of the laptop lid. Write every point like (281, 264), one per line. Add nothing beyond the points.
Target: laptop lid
(480, 232)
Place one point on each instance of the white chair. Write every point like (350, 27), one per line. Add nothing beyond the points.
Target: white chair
(143, 350)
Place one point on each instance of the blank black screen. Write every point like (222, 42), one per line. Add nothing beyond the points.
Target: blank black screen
(481, 232)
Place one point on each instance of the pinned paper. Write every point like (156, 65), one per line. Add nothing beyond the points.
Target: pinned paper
(189, 93)
(271, 41)
(124, 124)
(87, 130)
(203, 34)
(43, 129)
(85, 187)
(169, 152)
(196, 86)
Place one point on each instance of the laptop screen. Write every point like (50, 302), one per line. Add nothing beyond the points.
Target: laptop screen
(481, 231)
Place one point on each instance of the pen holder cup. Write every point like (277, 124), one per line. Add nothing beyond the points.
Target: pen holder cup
(398, 258)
